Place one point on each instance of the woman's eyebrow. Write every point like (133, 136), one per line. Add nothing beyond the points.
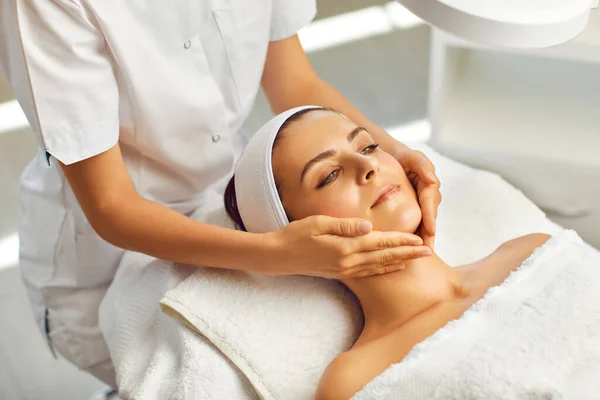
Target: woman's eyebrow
(354, 133)
(323, 156)
(329, 153)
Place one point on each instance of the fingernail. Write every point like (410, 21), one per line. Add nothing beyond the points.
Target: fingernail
(425, 252)
(431, 176)
(364, 227)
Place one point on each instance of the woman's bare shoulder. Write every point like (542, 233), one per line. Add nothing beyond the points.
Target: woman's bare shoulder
(351, 371)
(338, 381)
(495, 268)
(525, 244)
(509, 256)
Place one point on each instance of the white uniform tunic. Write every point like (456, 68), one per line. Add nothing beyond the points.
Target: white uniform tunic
(172, 81)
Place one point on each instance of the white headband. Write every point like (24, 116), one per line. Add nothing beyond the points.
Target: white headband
(257, 199)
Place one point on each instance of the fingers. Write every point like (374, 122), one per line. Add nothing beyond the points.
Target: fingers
(428, 188)
(418, 162)
(347, 227)
(429, 241)
(379, 271)
(377, 261)
(384, 240)
(430, 199)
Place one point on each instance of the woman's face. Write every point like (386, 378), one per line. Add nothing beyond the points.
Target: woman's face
(327, 165)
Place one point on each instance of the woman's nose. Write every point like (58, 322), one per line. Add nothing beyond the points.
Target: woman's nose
(368, 169)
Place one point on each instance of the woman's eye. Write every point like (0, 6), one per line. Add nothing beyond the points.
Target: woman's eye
(330, 178)
(369, 149)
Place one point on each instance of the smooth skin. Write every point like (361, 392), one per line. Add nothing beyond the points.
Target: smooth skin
(318, 245)
(401, 309)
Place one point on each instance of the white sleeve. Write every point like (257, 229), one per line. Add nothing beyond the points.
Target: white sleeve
(56, 61)
(289, 16)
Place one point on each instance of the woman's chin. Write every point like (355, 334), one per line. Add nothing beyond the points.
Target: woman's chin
(404, 219)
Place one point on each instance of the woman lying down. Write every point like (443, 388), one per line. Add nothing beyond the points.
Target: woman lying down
(543, 342)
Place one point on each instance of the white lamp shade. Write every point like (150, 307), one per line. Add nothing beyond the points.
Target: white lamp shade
(521, 24)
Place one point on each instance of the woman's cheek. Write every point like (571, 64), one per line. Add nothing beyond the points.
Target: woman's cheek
(387, 160)
(340, 205)
(410, 218)
(391, 165)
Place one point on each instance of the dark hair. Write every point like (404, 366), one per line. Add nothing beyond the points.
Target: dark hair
(230, 198)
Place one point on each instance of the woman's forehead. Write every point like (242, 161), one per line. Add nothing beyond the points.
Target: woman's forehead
(318, 126)
(314, 133)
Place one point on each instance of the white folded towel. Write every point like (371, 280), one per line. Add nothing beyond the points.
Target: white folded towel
(282, 332)
(536, 336)
(155, 357)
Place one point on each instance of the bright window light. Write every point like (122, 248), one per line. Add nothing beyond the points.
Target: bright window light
(356, 25)
(12, 117)
(414, 131)
(345, 28)
(9, 251)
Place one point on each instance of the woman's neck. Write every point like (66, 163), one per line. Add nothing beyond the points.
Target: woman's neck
(390, 300)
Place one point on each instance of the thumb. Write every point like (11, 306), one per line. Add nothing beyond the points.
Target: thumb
(348, 227)
(418, 163)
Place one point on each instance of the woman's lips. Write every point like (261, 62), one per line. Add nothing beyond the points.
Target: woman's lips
(386, 193)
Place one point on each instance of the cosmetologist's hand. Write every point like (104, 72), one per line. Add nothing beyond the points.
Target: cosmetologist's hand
(340, 248)
(421, 172)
